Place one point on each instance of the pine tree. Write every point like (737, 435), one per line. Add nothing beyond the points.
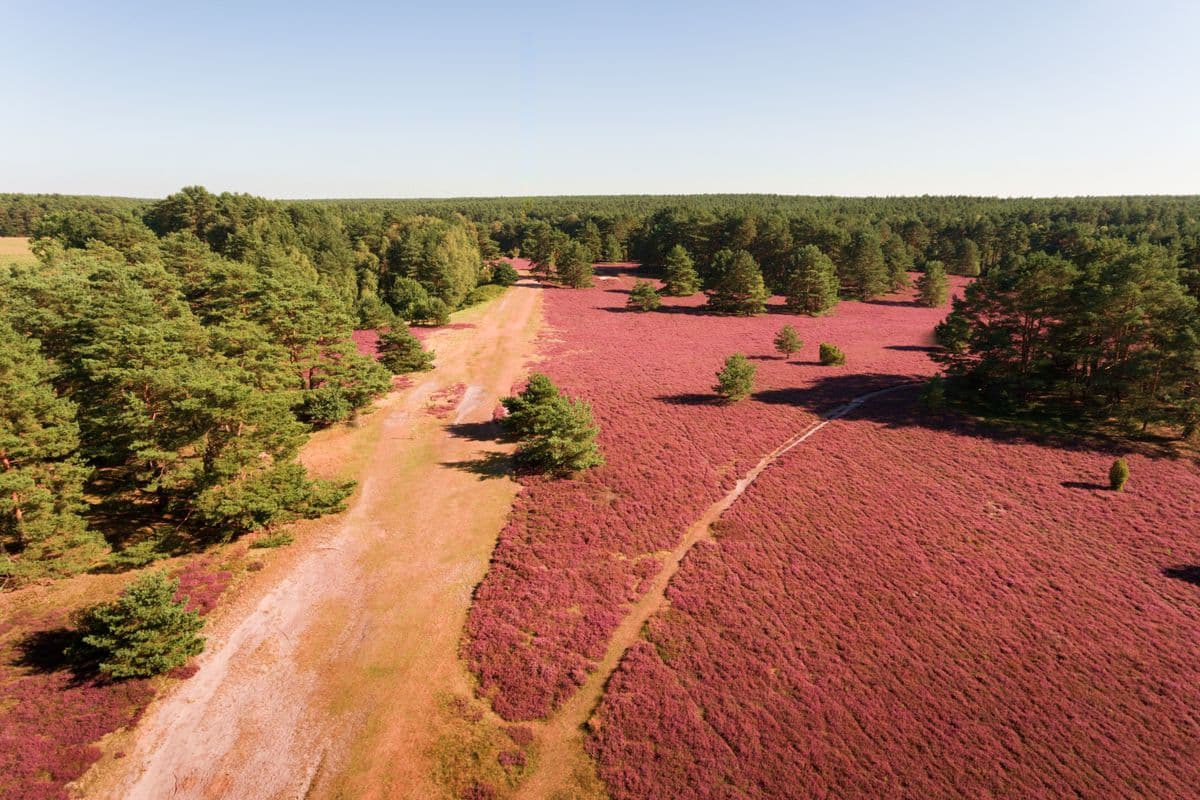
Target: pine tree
(968, 258)
(899, 262)
(401, 352)
(865, 274)
(145, 632)
(739, 289)
(41, 476)
(643, 297)
(575, 266)
(1118, 474)
(831, 355)
(932, 289)
(812, 286)
(787, 341)
(557, 434)
(735, 380)
(679, 273)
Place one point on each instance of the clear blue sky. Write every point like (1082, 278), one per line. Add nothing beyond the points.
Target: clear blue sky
(344, 99)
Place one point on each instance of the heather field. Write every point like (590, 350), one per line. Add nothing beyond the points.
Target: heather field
(905, 608)
(575, 553)
(53, 718)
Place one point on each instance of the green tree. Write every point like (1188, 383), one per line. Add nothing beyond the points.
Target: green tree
(1118, 475)
(504, 274)
(575, 266)
(442, 256)
(145, 632)
(967, 258)
(899, 262)
(643, 297)
(864, 275)
(787, 341)
(401, 352)
(812, 285)
(41, 476)
(679, 273)
(739, 289)
(613, 251)
(831, 355)
(932, 289)
(735, 380)
(557, 434)
(407, 297)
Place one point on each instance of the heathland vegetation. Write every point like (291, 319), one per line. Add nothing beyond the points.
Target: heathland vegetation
(162, 362)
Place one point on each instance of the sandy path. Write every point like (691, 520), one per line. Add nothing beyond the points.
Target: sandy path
(561, 737)
(326, 684)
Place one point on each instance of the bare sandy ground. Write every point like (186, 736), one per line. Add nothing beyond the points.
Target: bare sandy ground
(324, 680)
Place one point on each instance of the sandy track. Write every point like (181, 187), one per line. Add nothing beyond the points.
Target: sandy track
(324, 683)
(561, 737)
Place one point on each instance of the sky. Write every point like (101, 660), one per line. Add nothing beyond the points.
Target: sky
(444, 98)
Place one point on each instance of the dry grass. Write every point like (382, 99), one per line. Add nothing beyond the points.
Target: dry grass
(15, 250)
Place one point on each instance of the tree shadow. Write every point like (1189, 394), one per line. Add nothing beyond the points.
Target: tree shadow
(488, 431)
(1087, 485)
(896, 303)
(46, 651)
(489, 466)
(899, 409)
(913, 348)
(767, 358)
(1189, 573)
(689, 399)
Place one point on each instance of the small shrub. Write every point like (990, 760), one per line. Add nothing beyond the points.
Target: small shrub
(735, 380)
(401, 352)
(787, 341)
(145, 632)
(832, 355)
(1118, 475)
(272, 540)
(644, 297)
(504, 274)
(324, 406)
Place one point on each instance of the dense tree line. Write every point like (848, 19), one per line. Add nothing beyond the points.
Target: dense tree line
(1101, 329)
(176, 352)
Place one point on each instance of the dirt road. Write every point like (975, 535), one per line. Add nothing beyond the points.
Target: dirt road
(324, 683)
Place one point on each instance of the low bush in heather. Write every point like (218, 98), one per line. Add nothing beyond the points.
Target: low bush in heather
(1118, 475)
(735, 380)
(145, 632)
(831, 355)
(644, 297)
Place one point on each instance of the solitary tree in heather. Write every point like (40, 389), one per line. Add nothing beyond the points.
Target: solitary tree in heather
(145, 632)
(557, 433)
(735, 380)
(831, 355)
(787, 341)
(1118, 475)
(679, 273)
(932, 290)
(644, 297)
(402, 352)
(739, 288)
(812, 284)
(575, 266)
